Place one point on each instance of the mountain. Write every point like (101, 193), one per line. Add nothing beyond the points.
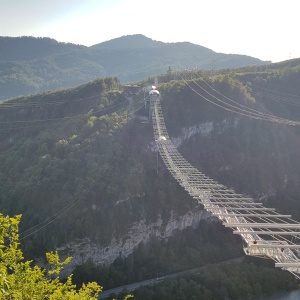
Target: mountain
(129, 42)
(84, 172)
(29, 48)
(55, 144)
(30, 65)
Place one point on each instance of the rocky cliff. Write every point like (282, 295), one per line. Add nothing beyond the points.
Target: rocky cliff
(140, 232)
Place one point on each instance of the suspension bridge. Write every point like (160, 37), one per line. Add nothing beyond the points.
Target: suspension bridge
(265, 233)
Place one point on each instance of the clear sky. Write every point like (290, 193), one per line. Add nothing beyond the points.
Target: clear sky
(265, 29)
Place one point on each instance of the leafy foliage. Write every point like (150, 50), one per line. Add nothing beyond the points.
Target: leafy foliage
(20, 280)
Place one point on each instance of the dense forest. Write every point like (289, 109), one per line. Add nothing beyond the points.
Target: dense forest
(250, 280)
(78, 164)
(31, 65)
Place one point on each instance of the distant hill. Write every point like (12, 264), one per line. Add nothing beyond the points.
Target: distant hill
(30, 65)
(28, 48)
(129, 42)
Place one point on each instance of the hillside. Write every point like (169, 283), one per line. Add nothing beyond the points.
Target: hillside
(29, 48)
(66, 132)
(86, 176)
(31, 65)
(136, 41)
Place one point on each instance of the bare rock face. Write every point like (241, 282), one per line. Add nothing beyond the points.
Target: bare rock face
(82, 250)
(203, 129)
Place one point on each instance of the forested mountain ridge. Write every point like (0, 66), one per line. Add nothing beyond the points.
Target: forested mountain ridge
(31, 65)
(64, 139)
(129, 42)
(28, 48)
(78, 167)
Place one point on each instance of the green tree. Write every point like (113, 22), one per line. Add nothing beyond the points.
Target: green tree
(19, 279)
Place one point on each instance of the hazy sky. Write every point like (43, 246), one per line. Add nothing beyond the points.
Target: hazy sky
(266, 29)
